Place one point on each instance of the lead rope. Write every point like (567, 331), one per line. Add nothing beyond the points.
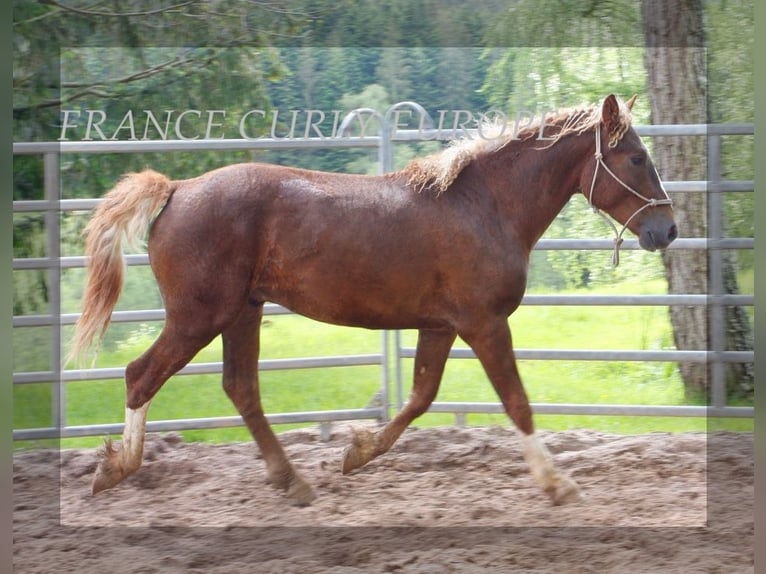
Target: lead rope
(650, 202)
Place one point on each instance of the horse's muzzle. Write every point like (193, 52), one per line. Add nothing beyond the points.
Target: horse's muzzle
(657, 234)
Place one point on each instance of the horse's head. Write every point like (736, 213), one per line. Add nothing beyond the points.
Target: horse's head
(622, 180)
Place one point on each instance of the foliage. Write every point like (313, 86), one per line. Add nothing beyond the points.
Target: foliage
(597, 49)
(731, 35)
(94, 56)
(564, 23)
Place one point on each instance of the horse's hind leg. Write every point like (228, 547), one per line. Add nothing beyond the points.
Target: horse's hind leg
(430, 357)
(240, 381)
(143, 378)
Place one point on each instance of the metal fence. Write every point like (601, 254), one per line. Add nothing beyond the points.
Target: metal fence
(392, 351)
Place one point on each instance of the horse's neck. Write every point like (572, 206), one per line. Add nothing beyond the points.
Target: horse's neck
(534, 180)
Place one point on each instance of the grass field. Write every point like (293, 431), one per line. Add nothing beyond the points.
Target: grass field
(533, 327)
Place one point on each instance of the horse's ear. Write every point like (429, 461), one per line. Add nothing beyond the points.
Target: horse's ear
(610, 111)
(631, 101)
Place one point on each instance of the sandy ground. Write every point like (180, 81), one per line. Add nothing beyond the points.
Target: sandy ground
(443, 500)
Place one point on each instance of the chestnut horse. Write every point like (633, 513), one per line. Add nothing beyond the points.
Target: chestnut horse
(441, 246)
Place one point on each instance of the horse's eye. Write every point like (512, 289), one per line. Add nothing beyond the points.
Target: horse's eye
(637, 160)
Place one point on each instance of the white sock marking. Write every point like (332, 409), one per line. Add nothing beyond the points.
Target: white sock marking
(539, 460)
(133, 435)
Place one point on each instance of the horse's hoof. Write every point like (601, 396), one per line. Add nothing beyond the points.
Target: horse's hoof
(300, 493)
(354, 457)
(351, 460)
(101, 481)
(566, 491)
(108, 473)
(107, 476)
(296, 488)
(359, 452)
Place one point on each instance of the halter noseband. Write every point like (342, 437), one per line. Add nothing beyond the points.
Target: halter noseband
(649, 202)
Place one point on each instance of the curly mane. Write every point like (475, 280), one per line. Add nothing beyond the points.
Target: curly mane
(439, 170)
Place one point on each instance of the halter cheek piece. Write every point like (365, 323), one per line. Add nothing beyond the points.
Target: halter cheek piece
(649, 202)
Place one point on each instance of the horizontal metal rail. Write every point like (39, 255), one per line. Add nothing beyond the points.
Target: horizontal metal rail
(607, 355)
(625, 355)
(210, 368)
(74, 205)
(78, 262)
(611, 355)
(143, 315)
(77, 431)
(150, 146)
(598, 410)
(371, 140)
(149, 315)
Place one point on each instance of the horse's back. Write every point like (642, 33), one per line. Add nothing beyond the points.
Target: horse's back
(284, 230)
(266, 187)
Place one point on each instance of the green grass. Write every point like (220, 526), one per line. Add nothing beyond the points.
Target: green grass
(589, 382)
(644, 383)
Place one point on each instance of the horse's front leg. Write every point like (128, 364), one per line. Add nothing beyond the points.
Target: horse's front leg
(430, 357)
(492, 345)
(240, 381)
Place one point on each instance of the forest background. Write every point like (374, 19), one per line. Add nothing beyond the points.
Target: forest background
(518, 57)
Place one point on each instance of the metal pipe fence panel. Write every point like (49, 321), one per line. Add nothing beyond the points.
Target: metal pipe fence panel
(392, 350)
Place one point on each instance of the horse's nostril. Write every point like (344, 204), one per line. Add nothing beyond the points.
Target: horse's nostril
(672, 233)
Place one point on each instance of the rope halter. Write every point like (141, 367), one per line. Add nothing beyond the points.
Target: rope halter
(648, 202)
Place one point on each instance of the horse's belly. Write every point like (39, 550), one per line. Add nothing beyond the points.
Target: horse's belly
(351, 300)
(355, 312)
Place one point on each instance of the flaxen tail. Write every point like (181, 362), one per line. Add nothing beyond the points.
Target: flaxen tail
(124, 216)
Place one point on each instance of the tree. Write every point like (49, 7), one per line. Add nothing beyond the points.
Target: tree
(675, 61)
(99, 56)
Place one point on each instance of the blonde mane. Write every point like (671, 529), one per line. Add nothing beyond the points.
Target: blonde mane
(439, 170)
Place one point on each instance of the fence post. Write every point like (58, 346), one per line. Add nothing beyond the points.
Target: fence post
(53, 253)
(399, 375)
(717, 322)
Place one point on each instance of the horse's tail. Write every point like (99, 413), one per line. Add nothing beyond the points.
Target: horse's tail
(124, 216)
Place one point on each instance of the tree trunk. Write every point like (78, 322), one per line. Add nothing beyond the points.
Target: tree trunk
(675, 61)
(740, 377)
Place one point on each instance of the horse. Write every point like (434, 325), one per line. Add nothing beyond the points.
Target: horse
(441, 246)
